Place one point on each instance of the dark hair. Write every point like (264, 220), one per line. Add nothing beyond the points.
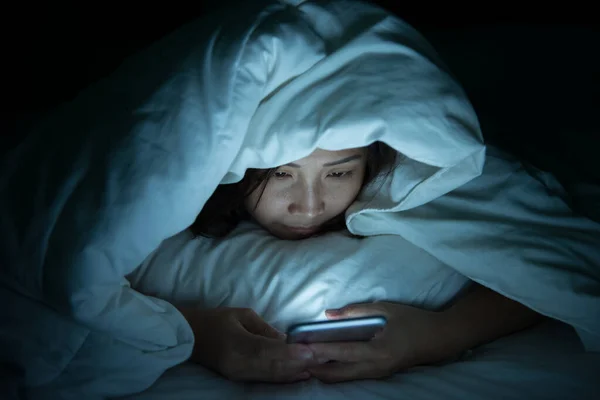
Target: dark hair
(225, 208)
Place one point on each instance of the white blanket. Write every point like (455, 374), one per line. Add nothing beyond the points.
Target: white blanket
(132, 160)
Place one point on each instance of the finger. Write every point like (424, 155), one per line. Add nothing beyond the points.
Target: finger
(358, 310)
(262, 348)
(278, 362)
(253, 323)
(257, 358)
(344, 351)
(302, 376)
(340, 372)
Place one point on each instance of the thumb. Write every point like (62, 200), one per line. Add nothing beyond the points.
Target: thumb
(358, 310)
(254, 324)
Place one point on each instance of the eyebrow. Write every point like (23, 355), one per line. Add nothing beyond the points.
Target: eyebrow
(338, 162)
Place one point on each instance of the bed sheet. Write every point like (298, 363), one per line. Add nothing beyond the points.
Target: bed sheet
(545, 362)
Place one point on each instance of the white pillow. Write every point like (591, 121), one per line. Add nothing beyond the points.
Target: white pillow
(293, 281)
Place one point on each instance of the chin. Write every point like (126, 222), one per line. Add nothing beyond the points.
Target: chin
(291, 235)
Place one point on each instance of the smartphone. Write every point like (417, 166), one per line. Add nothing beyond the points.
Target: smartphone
(341, 330)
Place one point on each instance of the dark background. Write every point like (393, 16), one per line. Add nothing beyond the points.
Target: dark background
(532, 74)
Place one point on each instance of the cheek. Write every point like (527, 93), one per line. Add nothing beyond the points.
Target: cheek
(353, 187)
(268, 208)
(343, 195)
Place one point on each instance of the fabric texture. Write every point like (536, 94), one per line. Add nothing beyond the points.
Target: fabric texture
(288, 282)
(130, 163)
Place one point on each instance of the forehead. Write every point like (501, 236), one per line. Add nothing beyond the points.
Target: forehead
(320, 156)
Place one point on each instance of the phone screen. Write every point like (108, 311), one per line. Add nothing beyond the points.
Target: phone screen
(343, 330)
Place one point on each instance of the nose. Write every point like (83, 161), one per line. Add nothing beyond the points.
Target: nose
(308, 201)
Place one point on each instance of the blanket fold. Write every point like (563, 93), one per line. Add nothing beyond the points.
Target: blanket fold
(130, 163)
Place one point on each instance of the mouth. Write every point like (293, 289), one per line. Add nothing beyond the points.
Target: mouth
(301, 230)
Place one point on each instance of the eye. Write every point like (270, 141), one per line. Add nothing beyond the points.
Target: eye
(281, 175)
(343, 174)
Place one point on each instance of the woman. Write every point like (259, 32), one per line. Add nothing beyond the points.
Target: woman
(302, 199)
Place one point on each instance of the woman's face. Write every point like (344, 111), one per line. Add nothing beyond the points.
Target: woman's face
(302, 196)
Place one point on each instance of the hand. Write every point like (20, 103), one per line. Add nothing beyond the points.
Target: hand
(240, 345)
(411, 337)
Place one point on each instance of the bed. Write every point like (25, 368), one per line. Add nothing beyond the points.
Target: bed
(544, 363)
(291, 281)
(96, 204)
